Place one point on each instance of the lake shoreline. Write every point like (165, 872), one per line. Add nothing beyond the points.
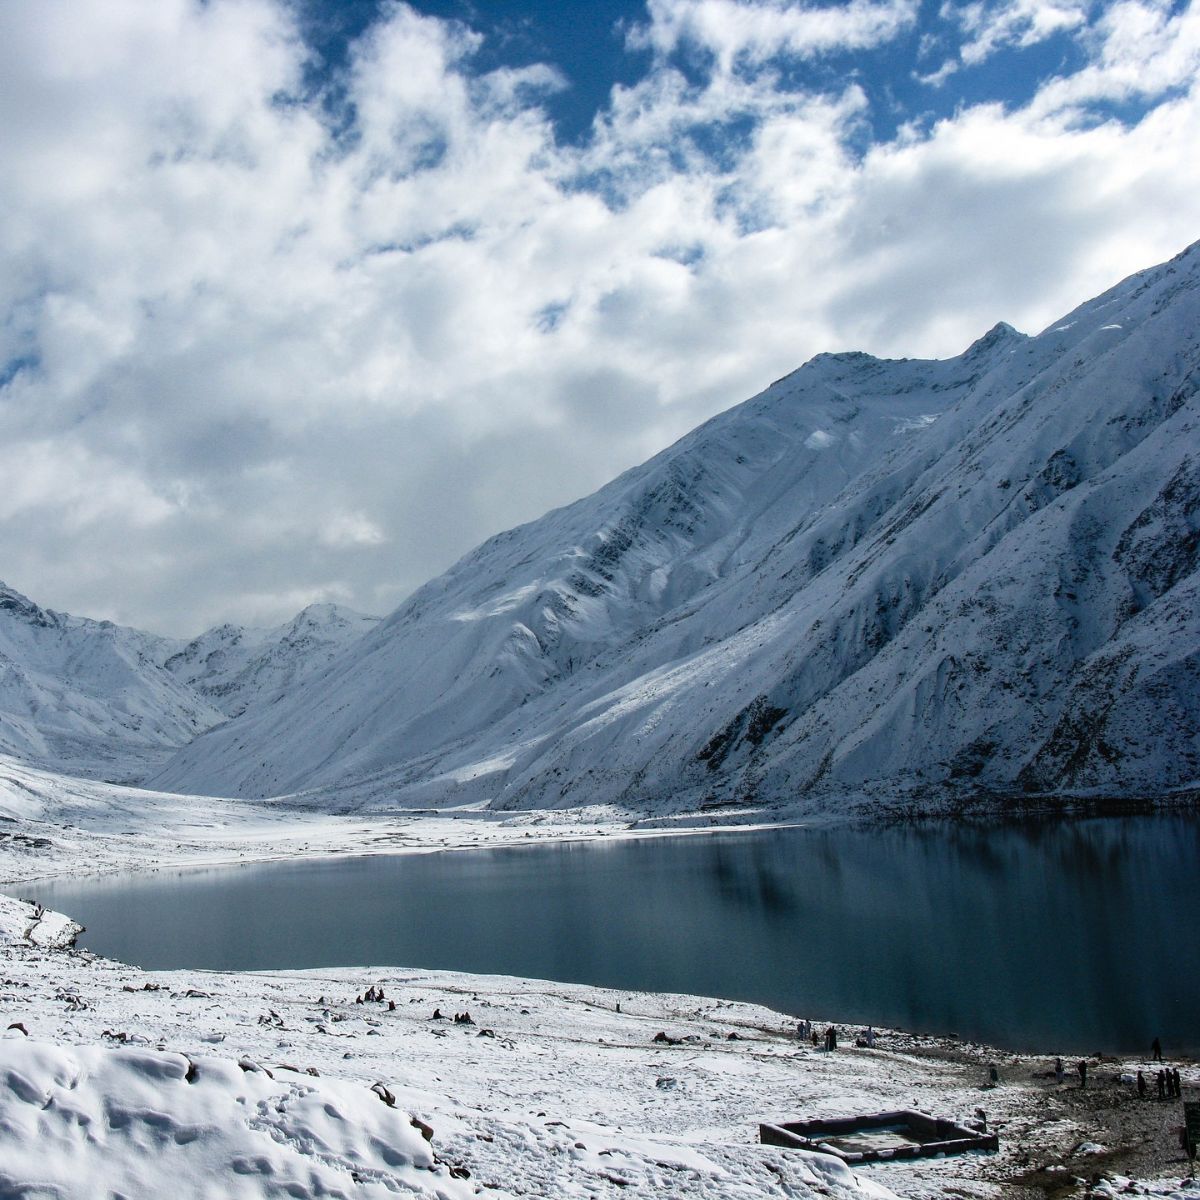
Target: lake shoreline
(759, 891)
(161, 831)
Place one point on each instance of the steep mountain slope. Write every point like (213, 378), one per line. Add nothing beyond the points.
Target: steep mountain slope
(234, 667)
(909, 580)
(89, 697)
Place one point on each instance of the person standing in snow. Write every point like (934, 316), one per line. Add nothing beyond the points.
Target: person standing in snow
(1059, 1073)
(1081, 1067)
(1141, 1086)
(1156, 1050)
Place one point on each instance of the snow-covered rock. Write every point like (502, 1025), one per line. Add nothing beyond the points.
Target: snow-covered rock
(913, 580)
(23, 921)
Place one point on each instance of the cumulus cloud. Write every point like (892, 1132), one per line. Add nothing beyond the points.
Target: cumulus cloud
(264, 343)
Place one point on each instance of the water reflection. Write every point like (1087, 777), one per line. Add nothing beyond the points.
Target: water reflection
(1073, 936)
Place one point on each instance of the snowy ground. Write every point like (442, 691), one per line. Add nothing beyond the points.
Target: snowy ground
(52, 825)
(118, 1082)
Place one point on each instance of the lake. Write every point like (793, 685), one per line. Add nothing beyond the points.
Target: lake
(1064, 936)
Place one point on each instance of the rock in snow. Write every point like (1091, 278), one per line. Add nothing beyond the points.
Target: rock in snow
(908, 580)
(911, 582)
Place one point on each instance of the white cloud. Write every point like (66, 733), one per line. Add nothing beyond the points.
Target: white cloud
(1133, 48)
(1022, 23)
(754, 31)
(264, 356)
(74, 488)
(350, 529)
(1139, 49)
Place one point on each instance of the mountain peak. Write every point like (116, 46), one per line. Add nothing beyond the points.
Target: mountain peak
(23, 608)
(236, 667)
(328, 612)
(853, 359)
(1000, 334)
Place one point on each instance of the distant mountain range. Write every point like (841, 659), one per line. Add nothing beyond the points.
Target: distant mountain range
(103, 701)
(900, 583)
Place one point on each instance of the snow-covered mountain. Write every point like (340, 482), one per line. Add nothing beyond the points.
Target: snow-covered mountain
(89, 697)
(235, 667)
(100, 700)
(911, 580)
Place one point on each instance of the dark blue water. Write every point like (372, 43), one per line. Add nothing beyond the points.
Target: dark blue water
(1068, 936)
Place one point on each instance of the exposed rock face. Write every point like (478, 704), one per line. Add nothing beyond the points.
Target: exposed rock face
(904, 580)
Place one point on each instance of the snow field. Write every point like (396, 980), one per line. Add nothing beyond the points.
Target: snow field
(89, 1121)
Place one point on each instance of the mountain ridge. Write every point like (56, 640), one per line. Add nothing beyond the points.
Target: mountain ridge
(236, 666)
(88, 697)
(107, 701)
(556, 620)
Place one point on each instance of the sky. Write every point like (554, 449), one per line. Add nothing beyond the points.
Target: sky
(300, 300)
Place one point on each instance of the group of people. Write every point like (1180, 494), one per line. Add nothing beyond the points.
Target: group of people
(806, 1033)
(1167, 1084)
(462, 1018)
